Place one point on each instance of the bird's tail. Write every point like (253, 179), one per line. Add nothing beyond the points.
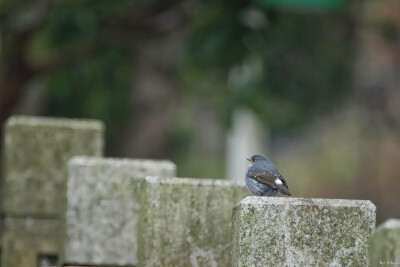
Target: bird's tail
(284, 190)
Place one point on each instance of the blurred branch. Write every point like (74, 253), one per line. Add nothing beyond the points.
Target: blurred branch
(12, 87)
(146, 19)
(18, 25)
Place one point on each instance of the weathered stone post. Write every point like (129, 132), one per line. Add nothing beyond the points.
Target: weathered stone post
(187, 222)
(33, 193)
(27, 241)
(103, 208)
(384, 247)
(278, 231)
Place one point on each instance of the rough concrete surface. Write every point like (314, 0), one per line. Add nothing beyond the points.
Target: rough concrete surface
(24, 239)
(384, 247)
(187, 222)
(36, 151)
(277, 231)
(103, 208)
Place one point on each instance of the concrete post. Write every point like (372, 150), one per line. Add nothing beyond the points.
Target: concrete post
(187, 222)
(384, 247)
(103, 208)
(33, 191)
(277, 231)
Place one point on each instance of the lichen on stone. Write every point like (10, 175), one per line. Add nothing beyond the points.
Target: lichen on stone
(301, 232)
(385, 244)
(187, 222)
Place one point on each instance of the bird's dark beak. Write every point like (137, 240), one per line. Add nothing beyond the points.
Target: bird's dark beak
(248, 159)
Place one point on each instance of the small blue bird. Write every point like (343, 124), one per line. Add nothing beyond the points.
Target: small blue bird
(263, 178)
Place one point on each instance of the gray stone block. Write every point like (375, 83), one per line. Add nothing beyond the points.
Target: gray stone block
(97, 266)
(278, 231)
(25, 240)
(187, 222)
(103, 208)
(384, 247)
(36, 154)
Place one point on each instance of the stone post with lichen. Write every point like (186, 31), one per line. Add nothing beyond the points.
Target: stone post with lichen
(33, 192)
(186, 222)
(103, 208)
(278, 231)
(384, 246)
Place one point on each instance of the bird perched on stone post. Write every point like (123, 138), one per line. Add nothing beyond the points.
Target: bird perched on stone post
(263, 178)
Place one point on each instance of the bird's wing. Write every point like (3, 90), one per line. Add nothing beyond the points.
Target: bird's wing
(262, 176)
(269, 178)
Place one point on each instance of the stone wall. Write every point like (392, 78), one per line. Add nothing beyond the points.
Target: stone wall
(123, 212)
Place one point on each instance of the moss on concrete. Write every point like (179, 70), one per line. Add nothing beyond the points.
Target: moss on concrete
(187, 222)
(301, 232)
(384, 246)
(24, 239)
(36, 152)
(103, 208)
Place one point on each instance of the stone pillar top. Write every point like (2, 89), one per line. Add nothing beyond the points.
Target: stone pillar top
(186, 221)
(36, 152)
(88, 161)
(193, 181)
(103, 208)
(53, 121)
(321, 202)
(284, 231)
(389, 224)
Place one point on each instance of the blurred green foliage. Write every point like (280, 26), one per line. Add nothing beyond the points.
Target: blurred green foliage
(97, 83)
(303, 4)
(288, 66)
(92, 73)
(97, 87)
